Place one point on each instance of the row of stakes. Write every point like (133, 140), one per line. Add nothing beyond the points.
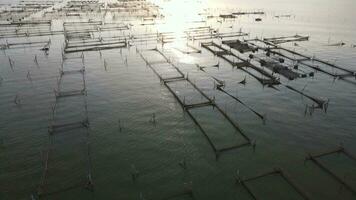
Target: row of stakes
(17, 99)
(28, 76)
(152, 120)
(44, 48)
(106, 63)
(309, 109)
(220, 84)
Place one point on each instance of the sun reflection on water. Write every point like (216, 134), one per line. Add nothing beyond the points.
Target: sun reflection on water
(180, 15)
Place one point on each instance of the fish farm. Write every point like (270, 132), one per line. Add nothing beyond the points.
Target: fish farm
(177, 99)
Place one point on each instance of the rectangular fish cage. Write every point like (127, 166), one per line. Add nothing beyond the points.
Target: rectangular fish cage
(278, 65)
(161, 66)
(67, 160)
(40, 44)
(240, 46)
(334, 173)
(179, 87)
(264, 77)
(286, 39)
(80, 36)
(188, 49)
(211, 120)
(27, 29)
(316, 64)
(262, 186)
(65, 163)
(186, 93)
